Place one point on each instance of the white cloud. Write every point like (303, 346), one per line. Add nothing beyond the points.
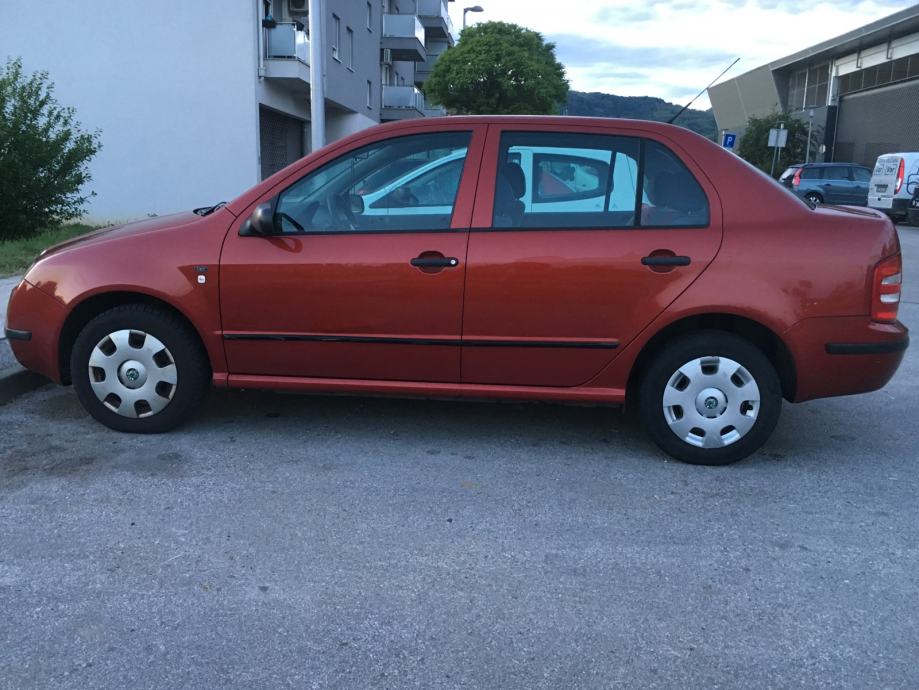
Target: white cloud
(647, 49)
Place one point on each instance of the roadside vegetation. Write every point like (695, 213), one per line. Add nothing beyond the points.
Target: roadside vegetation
(754, 145)
(44, 156)
(16, 255)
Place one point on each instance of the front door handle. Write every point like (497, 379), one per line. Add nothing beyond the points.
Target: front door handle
(665, 260)
(436, 261)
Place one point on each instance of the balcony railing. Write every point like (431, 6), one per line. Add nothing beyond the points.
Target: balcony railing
(403, 97)
(434, 13)
(286, 42)
(403, 26)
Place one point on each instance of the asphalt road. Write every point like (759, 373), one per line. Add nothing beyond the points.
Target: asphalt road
(334, 542)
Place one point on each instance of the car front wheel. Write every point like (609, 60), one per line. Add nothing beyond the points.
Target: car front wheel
(710, 398)
(139, 368)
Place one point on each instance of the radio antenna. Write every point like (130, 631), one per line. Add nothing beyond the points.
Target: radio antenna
(683, 109)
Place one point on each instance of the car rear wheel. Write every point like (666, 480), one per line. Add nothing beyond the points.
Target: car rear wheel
(710, 398)
(139, 368)
(814, 198)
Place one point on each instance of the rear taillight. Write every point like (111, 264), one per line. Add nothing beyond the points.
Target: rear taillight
(796, 180)
(900, 172)
(885, 293)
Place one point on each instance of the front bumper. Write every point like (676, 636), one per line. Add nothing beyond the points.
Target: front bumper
(844, 355)
(34, 320)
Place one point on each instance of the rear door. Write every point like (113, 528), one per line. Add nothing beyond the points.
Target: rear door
(836, 185)
(556, 286)
(883, 183)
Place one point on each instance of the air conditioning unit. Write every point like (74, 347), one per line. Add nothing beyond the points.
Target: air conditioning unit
(387, 56)
(298, 7)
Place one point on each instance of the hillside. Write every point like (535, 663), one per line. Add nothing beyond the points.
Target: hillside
(640, 108)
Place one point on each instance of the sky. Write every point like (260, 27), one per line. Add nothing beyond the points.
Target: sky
(674, 48)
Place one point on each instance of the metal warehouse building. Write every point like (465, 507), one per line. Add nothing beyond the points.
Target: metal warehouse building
(861, 89)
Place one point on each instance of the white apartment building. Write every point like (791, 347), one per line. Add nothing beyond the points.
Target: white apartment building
(198, 101)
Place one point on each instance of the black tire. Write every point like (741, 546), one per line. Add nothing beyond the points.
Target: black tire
(814, 198)
(192, 370)
(662, 372)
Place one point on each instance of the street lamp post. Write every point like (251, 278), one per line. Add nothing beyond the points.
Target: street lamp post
(474, 8)
(810, 124)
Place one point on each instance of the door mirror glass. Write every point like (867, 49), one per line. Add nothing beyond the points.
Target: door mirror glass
(261, 222)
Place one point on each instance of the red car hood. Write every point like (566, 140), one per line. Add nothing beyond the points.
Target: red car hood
(172, 221)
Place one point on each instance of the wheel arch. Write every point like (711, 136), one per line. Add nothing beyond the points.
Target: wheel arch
(760, 336)
(93, 305)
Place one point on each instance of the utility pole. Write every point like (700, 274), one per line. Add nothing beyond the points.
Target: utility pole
(317, 75)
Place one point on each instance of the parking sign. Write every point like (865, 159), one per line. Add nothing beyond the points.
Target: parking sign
(728, 139)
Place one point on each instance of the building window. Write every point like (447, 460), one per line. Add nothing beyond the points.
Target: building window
(350, 49)
(336, 37)
(369, 17)
(369, 94)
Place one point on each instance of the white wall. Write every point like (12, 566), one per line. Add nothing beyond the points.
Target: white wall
(171, 86)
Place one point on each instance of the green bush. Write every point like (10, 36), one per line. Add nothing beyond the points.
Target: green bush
(44, 155)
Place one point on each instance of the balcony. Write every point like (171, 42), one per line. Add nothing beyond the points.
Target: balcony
(402, 103)
(287, 56)
(423, 69)
(436, 19)
(403, 36)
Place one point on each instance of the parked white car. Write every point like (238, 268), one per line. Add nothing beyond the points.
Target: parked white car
(895, 178)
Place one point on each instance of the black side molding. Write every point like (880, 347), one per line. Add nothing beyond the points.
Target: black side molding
(866, 348)
(14, 334)
(465, 342)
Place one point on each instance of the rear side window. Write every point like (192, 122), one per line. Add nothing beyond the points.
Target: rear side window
(836, 172)
(563, 180)
(673, 196)
(812, 174)
(861, 174)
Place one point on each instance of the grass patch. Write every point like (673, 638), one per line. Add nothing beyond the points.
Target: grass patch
(16, 255)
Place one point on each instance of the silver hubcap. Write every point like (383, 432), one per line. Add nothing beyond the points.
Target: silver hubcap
(132, 373)
(711, 402)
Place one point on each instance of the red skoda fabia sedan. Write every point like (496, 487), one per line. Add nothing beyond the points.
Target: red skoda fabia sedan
(576, 259)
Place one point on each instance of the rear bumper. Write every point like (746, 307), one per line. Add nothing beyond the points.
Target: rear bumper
(898, 206)
(34, 320)
(844, 355)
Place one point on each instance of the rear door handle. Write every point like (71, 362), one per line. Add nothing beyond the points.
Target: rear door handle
(665, 260)
(435, 261)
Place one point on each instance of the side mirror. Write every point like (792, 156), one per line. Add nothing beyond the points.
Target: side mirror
(261, 222)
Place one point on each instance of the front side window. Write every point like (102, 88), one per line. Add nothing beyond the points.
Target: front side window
(862, 174)
(562, 180)
(401, 185)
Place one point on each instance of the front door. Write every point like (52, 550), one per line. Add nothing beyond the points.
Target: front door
(586, 239)
(363, 278)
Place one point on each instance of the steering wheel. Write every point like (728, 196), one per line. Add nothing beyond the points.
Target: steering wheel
(339, 211)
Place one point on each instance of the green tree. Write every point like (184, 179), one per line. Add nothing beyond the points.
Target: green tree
(44, 155)
(499, 68)
(754, 144)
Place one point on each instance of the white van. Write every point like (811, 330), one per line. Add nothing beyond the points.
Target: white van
(895, 178)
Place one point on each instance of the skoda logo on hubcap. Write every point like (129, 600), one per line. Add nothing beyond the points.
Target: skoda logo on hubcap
(133, 375)
(710, 403)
